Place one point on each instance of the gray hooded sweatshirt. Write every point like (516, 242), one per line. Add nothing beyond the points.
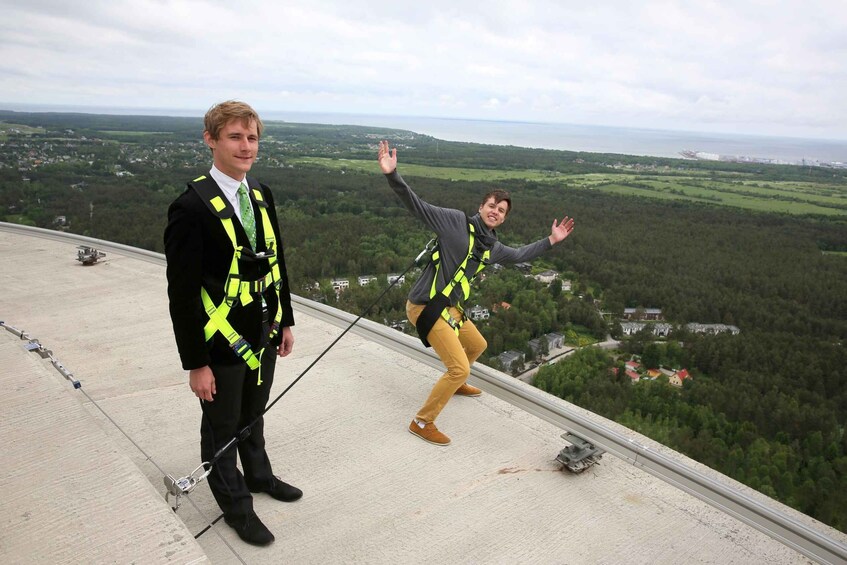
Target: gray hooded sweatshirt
(451, 228)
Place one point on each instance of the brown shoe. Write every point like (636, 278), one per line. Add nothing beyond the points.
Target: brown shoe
(468, 390)
(429, 433)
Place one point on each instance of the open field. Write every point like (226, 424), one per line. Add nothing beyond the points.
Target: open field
(132, 133)
(6, 129)
(731, 189)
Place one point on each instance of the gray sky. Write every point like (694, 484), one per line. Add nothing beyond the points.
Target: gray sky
(736, 66)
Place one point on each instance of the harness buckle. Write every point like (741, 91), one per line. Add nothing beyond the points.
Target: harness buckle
(233, 289)
(250, 255)
(274, 328)
(240, 346)
(452, 322)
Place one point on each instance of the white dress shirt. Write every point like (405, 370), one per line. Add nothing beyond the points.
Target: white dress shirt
(230, 188)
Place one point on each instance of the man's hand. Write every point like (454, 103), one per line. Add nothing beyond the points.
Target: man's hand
(387, 158)
(202, 383)
(560, 231)
(287, 343)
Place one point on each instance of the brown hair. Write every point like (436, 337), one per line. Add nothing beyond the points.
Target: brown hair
(221, 114)
(499, 196)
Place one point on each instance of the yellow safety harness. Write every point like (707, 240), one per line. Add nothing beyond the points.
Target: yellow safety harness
(439, 304)
(236, 289)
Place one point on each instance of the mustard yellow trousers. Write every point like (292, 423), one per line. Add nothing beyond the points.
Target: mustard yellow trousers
(457, 352)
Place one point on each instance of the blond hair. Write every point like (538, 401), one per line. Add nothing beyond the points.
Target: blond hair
(222, 113)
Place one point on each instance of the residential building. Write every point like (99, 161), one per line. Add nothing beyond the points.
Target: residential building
(555, 341)
(712, 329)
(340, 285)
(501, 306)
(546, 277)
(642, 314)
(477, 313)
(535, 346)
(661, 329)
(510, 360)
(678, 378)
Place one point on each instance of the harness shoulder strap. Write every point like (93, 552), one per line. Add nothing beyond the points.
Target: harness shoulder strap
(211, 194)
(257, 191)
(237, 290)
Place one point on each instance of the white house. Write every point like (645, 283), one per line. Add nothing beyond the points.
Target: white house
(340, 285)
(478, 313)
(659, 330)
(712, 328)
(546, 277)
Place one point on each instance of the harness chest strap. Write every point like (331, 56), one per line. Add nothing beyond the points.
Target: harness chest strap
(439, 304)
(237, 290)
(461, 278)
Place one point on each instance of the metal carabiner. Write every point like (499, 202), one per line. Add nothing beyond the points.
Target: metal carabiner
(428, 248)
(184, 485)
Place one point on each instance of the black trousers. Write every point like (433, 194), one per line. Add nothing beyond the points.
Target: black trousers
(237, 402)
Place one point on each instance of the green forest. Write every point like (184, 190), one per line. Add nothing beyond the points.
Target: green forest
(761, 247)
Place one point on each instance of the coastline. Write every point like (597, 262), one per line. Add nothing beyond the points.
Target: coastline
(547, 136)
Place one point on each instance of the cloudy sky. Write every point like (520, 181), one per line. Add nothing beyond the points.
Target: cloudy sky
(735, 66)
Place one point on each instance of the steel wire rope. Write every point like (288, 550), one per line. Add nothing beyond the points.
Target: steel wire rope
(774, 523)
(245, 430)
(78, 385)
(185, 494)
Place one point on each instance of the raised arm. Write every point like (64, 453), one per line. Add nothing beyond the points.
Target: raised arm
(436, 218)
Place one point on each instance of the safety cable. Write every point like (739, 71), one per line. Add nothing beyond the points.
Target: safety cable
(245, 431)
(35, 346)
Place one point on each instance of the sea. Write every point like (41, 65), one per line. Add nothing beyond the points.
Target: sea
(570, 137)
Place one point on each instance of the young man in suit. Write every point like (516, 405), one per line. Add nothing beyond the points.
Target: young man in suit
(231, 311)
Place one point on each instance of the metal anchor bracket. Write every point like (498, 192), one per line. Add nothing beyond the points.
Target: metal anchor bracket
(184, 485)
(580, 455)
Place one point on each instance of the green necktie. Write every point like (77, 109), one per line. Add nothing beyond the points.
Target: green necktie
(248, 220)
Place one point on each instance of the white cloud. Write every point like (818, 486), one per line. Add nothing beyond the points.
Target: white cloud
(750, 66)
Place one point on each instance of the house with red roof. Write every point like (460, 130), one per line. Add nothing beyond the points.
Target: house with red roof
(679, 377)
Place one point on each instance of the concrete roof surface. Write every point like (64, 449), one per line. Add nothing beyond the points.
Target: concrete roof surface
(73, 487)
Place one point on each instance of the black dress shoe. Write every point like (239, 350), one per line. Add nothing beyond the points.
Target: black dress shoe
(281, 491)
(250, 529)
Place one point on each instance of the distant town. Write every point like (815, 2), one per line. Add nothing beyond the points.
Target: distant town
(705, 156)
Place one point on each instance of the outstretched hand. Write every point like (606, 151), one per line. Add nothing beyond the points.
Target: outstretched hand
(561, 230)
(387, 158)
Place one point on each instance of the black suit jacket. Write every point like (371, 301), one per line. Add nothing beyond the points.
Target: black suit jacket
(199, 253)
